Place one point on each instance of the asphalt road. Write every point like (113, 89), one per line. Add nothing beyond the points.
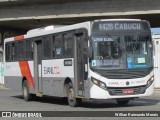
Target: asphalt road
(12, 101)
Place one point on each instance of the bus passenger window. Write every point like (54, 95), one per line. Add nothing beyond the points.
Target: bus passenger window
(29, 49)
(68, 45)
(58, 51)
(53, 52)
(47, 43)
(8, 52)
(13, 52)
(53, 48)
(57, 46)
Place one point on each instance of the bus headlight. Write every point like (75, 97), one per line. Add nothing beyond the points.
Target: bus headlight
(99, 83)
(150, 81)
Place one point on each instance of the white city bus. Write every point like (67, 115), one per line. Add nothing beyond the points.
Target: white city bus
(101, 59)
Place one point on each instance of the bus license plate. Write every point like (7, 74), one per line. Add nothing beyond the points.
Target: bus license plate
(128, 91)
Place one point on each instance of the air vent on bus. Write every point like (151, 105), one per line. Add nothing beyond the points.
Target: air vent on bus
(51, 27)
(124, 73)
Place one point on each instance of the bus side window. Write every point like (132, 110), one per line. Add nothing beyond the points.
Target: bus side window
(68, 45)
(16, 50)
(47, 43)
(29, 49)
(21, 51)
(53, 48)
(57, 46)
(8, 51)
(13, 51)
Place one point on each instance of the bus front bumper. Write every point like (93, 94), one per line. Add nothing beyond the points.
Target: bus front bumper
(114, 93)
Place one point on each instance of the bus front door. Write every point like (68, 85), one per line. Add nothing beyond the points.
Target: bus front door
(38, 66)
(80, 64)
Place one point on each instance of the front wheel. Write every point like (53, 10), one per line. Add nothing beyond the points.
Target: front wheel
(72, 100)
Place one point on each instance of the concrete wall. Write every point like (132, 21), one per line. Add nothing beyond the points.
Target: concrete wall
(78, 8)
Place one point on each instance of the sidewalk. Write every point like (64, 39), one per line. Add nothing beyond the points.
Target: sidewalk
(157, 90)
(2, 87)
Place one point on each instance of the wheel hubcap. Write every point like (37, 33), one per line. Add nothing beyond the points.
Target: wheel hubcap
(71, 94)
(25, 91)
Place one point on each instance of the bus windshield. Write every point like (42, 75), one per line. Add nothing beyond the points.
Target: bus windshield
(121, 51)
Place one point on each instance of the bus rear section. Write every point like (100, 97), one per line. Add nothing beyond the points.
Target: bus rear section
(48, 62)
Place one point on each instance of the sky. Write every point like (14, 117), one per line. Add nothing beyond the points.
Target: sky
(155, 30)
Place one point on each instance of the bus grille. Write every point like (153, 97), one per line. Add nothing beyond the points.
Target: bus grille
(119, 90)
(125, 73)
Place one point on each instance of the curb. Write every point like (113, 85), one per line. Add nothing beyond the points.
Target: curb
(157, 90)
(2, 86)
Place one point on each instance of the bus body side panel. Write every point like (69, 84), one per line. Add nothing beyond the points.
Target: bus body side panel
(13, 75)
(32, 86)
(54, 74)
(13, 82)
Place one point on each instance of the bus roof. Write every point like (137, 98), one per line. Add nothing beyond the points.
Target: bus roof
(49, 30)
(118, 20)
(55, 29)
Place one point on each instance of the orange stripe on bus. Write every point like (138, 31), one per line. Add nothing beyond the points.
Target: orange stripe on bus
(25, 70)
(19, 37)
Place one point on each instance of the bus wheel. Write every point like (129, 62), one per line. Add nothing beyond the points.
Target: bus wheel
(72, 100)
(25, 91)
(122, 102)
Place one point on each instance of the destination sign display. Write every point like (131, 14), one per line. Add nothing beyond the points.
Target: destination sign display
(120, 26)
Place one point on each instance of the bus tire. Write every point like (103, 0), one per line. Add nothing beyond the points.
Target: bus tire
(72, 100)
(122, 102)
(25, 91)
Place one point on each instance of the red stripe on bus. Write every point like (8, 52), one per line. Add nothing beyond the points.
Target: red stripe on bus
(19, 37)
(25, 70)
